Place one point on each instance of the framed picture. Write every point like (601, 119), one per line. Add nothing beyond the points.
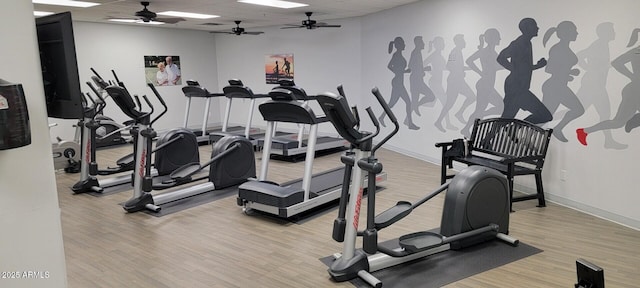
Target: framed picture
(163, 70)
(278, 67)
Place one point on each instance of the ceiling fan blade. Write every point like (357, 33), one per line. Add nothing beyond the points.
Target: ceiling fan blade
(171, 20)
(324, 25)
(221, 32)
(254, 33)
(289, 27)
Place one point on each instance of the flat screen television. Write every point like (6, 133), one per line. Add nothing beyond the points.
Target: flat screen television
(589, 275)
(59, 66)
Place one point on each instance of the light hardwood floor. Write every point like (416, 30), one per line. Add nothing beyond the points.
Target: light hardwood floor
(216, 245)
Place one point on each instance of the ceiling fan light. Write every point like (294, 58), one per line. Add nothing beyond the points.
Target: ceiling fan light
(135, 21)
(151, 22)
(187, 15)
(69, 3)
(274, 3)
(42, 13)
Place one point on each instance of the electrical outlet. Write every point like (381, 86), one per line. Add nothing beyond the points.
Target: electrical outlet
(563, 175)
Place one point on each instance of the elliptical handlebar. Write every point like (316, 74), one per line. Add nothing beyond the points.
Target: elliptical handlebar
(146, 99)
(95, 73)
(121, 84)
(374, 120)
(376, 92)
(159, 99)
(341, 91)
(98, 105)
(85, 102)
(356, 114)
(95, 91)
(135, 97)
(375, 123)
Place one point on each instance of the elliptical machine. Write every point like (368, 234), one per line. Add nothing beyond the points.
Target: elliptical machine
(476, 207)
(67, 153)
(174, 149)
(232, 160)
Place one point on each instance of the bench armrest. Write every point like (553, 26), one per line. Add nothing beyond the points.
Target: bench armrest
(508, 160)
(444, 144)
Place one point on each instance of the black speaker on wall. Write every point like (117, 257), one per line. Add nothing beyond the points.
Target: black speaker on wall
(14, 116)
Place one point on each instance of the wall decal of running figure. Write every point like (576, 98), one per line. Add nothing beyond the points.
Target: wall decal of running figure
(488, 100)
(518, 59)
(417, 86)
(561, 66)
(595, 61)
(456, 83)
(627, 114)
(398, 65)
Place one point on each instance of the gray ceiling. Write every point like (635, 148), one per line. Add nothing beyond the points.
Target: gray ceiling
(229, 10)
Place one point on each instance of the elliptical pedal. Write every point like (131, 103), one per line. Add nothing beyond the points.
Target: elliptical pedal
(420, 241)
(393, 214)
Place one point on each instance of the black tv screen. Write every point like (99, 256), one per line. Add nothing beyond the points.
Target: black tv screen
(59, 66)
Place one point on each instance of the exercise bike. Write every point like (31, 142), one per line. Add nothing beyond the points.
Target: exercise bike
(476, 207)
(66, 153)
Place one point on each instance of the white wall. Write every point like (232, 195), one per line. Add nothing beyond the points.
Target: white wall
(31, 237)
(356, 56)
(598, 180)
(323, 59)
(122, 48)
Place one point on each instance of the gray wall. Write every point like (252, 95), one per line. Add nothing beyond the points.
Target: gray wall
(31, 237)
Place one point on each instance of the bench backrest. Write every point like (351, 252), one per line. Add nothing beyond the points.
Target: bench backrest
(511, 139)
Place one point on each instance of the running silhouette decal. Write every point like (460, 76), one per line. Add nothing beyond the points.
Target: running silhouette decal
(627, 114)
(398, 65)
(518, 59)
(456, 84)
(595, 61)
(486, 86)
(561, 63)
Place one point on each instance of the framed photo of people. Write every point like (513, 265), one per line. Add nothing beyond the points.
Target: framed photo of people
(278, 67)
(163, 70)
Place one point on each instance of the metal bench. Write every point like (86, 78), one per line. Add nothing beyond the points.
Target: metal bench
(512, 146)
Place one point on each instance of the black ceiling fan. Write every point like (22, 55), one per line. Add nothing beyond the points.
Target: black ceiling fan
(147, 15)
(238, 30)
(311, 24)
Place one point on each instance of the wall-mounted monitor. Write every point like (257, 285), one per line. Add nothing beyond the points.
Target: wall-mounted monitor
(59, 66)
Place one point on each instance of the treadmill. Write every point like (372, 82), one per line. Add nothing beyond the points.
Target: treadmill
(192, 90)
(294, 197)
(289, 146)
(237, 90)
